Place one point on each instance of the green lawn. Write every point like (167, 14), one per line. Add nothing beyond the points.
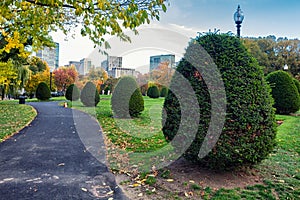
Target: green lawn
(14, 117)
(140, 140)
(281, 170)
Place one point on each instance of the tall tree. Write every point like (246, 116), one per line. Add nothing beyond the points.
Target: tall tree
(162, 74)
(34, 19)
(36, 65)
(35, 79)
(8, 74)
(64, 76)
(274, 53)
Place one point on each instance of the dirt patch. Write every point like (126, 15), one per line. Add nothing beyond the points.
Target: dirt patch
(181, 177)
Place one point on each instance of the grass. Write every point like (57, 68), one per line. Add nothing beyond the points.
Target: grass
(14, 117)
(141, 140)
(281, 170)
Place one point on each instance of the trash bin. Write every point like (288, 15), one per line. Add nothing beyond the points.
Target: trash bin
(22, 99)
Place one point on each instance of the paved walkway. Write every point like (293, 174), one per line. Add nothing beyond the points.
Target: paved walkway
(61, 155)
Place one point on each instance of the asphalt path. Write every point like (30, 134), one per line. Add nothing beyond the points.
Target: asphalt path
(60, 155)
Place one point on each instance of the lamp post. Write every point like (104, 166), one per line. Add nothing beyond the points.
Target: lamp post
(238, 18)
(51, 70)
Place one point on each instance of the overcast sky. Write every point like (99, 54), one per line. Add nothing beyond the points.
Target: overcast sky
(185, 18)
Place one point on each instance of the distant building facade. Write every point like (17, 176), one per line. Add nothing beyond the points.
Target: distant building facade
(112, 62)
(156, 60)
(50, 55)
(114, 68)
(76, 64)
(85, 66)
(117, 72)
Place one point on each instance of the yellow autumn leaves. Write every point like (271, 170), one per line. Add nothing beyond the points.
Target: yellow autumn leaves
(14, 42)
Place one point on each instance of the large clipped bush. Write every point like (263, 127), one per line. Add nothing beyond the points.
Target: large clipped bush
(248, 134)
(297, 83)
(127, 100)
(164, 92)
(153, 92)
(43, 92)
(72, 93)
(284, 92)
(89, 95)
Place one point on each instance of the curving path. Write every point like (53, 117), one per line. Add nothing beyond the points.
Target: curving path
(48, 159)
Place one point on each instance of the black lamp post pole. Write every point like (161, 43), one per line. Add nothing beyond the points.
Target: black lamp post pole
(238, 26)
(50, 80)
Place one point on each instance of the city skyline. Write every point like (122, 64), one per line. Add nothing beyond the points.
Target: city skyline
(262, 18)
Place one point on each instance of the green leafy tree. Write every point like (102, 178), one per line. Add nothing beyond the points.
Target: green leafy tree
(72, 93)
(284, 92)
(273, 53)
(248, 134)
(153, 92)
(37, 18)
(43, 92)
(36, 64)
(127, 100)
(89, 95)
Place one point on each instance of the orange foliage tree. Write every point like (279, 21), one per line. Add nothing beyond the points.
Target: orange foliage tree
(64, 76)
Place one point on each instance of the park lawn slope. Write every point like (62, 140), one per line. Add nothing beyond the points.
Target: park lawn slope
(14, 117)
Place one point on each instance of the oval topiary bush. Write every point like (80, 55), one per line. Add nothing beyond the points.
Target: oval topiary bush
(43, 92)
(72, 93)
(248, 134)
(297, 83)
(163, 92)
(153, 92)
(127, 100)
(89, 95)
(284, 92)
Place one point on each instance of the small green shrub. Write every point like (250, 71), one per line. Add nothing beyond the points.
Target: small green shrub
(284, 92)
(164, 92)
(72, 93)
(297, 83)
(89, 95)
(249, 131)
(153, 92)
(127, 100)
(43, 92)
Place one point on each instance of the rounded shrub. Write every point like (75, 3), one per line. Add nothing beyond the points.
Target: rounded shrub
(89, 95)
(127, 100)
(297, 83)
(284, 92)
(72, 93)
(248, 134)
(43, 91)
(153, 92)
(164, 92)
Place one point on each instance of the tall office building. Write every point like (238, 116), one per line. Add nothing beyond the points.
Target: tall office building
(50, 55)
(112, 62)
(85, 66)
(156, 60)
